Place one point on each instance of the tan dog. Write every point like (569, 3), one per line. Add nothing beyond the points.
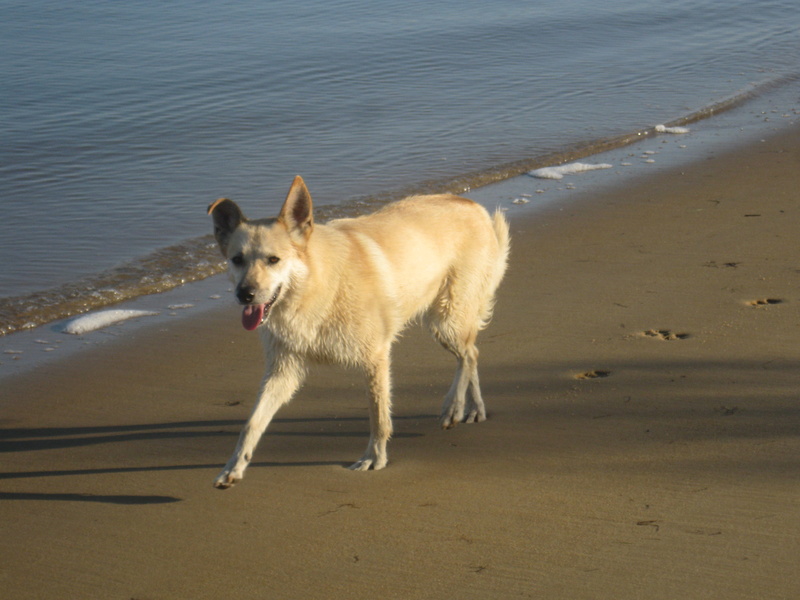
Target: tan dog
(342, 292)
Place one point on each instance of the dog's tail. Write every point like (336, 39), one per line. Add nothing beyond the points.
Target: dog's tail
(501, 230)
(498, 268)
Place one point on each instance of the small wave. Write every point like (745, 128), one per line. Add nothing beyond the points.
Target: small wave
(157, 272)
(568, 169)
(674, 130)
(98, 320)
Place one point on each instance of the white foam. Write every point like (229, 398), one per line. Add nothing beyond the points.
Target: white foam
(665, 129)
(98, 320)
(568, 169)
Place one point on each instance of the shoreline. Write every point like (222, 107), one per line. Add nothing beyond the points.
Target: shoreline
(724, 123)
(747, 123)
(641, 378)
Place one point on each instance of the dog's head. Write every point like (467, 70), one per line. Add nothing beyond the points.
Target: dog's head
(264, 255)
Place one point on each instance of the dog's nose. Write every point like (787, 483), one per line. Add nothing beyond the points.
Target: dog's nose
(246, 294)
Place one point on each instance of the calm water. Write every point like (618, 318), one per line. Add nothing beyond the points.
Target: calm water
(120, 121)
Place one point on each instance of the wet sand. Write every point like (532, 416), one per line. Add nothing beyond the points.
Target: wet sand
(642, 376)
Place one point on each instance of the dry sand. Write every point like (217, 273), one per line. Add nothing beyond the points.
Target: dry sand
(675, 475)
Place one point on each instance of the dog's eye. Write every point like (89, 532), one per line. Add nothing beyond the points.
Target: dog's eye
(273, 259)
(237, 260)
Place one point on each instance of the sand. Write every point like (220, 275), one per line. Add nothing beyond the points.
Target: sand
(642, 376)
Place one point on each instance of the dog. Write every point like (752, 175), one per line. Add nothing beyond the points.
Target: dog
(342, 292)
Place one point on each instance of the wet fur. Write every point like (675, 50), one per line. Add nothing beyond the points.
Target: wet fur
(346, 289)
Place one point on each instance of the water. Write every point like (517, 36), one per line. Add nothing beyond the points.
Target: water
(121, 122)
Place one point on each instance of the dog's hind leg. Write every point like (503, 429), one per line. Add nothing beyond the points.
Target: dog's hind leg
(456, 328)
(281, 382)
(463, 401)
(475, 411)
(463, 308)
(380, 415)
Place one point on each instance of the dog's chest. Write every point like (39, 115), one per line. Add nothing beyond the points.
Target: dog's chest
(326, 342)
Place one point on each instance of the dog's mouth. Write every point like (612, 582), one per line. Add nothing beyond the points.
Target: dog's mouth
(254, 315)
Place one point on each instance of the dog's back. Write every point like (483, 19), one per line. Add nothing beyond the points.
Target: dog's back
(429, 249)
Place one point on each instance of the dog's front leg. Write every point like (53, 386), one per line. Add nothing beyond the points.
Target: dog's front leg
(280, 383)
(380, 415)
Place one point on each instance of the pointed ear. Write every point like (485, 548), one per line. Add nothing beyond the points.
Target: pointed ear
(297, 214)
(227, 217)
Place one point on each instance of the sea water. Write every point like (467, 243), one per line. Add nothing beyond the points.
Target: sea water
(120, 122)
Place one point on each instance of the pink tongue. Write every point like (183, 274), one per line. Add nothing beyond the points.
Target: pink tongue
(252, 315)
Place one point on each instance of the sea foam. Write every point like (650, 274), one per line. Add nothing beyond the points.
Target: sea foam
(665, 129)
(568, 169)
(98, 320)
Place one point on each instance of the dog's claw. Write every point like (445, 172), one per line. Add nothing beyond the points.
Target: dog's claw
(475, 417)
(367, 463)
(361, 465)
(226, 481)
(449, 421)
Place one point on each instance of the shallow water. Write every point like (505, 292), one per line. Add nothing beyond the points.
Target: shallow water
(122, 121)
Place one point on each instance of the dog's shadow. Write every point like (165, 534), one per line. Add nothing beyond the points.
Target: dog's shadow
(56, 438)
(14, 440)
(104, 499)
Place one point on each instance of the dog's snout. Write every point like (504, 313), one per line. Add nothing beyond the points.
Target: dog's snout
(245, 294)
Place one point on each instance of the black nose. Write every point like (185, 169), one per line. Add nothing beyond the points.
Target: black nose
(245, 294)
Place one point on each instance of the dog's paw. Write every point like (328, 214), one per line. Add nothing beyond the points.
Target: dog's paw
(475, 416)
(361, 465)
(447, 422)
(226, 480)
(451, 417)
(367, 463)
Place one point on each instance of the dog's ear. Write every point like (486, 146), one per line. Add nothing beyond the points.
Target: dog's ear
(297, 213)
(227, 217)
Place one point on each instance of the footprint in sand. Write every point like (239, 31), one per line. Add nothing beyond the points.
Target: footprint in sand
(665, 334)
(594, 374)
(763, 302)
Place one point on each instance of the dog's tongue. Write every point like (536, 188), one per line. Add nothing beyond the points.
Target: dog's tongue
(252, 315)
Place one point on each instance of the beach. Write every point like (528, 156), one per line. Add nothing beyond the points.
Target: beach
(641, 377)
